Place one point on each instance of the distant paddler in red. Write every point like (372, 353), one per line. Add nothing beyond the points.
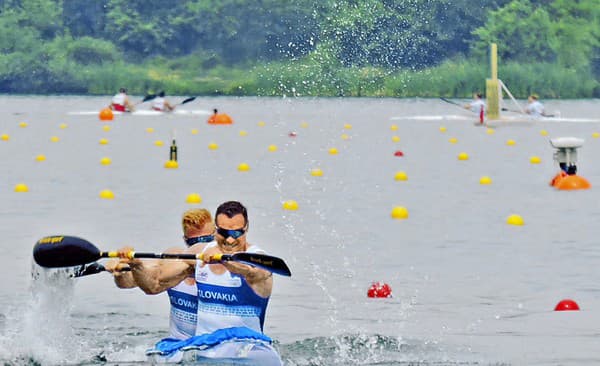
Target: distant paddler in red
(121, 103)
(477, 106)
(160, 103)
(219, 118)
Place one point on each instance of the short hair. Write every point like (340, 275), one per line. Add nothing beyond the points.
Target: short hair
(161, 94)
(479, 95)
(195, 218)
(230, 209)
(122, 90)
(534, 96)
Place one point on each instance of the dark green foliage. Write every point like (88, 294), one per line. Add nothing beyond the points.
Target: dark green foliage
(299, 47)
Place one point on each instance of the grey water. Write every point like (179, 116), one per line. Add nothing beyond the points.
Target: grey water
(468, 289)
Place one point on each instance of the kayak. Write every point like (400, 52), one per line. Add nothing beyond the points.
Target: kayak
(146, 113)
(231, 346)
(506, 120)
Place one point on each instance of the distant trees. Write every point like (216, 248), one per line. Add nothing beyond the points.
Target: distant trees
(50, 45)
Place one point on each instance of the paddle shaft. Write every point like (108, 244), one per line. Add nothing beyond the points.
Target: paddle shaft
(267, 262)
(512, 110)
(457, 104)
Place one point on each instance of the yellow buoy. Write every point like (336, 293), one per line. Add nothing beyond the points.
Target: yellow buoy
(463, 156)
(452, 140)
(193, 198)
(103, 141)
(394, 127)
(23, 124)
(515, 220)
(544, 133)
(150, 130)
(243, 133)
(490, 131)
(40, 157)
(243, 167)
(333, 151)
(395, 138)
(400, 176)
(213, 146)
(443, 129)
(595, 135)
(21, 187)
(5, 137)
(105, 161)
(304, 124)
(272, 148)
(485, 180)
(62, 126)
(54, 139)
(399, 213)
(348, 126)
(107, 194)
(159, 143)
(510, 142)
(345, 137)
(535, 160)
(171, 164)
(290, 205)
(106, 128)
(261, 124)
(194, 131)
(316, 172)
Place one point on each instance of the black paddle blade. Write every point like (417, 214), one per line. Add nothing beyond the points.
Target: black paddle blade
(188, 100)
(89, 269)
(64, 251)
(270, 263)
(148, 97)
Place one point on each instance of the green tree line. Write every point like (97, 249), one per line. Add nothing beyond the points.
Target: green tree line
(299, 47)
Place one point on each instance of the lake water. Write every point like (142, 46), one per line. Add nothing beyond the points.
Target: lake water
(468, 289)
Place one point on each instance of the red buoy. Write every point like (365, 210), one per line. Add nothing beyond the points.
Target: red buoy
(292, 134)
(379, 290)
(566, 305)
(398, 153)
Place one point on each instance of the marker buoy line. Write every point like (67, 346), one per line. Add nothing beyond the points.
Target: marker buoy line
(379, 290)
(566, 305)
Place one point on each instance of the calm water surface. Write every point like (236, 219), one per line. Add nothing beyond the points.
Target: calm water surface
(468, 289)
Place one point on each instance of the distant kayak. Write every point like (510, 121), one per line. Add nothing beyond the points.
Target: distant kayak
(197, 112)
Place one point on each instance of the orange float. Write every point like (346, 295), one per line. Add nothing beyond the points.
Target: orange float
(219, 119)
(572, 182)
(106, 115)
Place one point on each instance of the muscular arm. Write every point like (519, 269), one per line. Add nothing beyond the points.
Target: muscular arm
(259, 280)
(158, 276)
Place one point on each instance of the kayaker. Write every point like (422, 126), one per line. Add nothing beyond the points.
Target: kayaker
(232, 297)
(477, 104)
(198, 227)
(120, 102)
(160, 103)
(534, 106)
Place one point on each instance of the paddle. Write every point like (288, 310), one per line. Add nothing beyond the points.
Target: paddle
(451, 102)
(67, 251)
(191, 99)
(93, 268)
(514, 111)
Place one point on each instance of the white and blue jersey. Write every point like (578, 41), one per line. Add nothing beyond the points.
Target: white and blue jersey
(226, 300)
(184, 307)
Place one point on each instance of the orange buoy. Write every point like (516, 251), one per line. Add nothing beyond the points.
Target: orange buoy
(572, 182)
(566, 305)
(106, 114)
(560, 175)
(219, 119)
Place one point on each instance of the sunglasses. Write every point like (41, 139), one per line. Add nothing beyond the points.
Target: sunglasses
(233, 233)
(199, 239)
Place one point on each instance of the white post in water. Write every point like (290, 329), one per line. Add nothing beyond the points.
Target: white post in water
(566, 153)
